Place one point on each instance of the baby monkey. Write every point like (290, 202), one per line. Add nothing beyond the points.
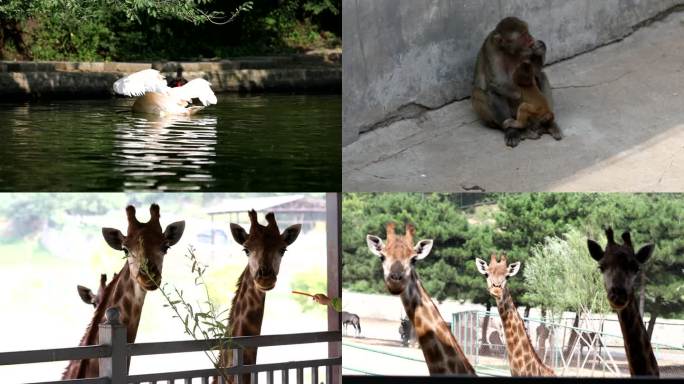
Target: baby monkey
(534, 112)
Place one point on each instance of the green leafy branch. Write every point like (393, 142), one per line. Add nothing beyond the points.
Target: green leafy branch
(199, 323)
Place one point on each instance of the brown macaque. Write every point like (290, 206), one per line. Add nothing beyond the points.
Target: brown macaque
(496, 97)
(534, 112)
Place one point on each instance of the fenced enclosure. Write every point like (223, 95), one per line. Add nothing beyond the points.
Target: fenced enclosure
(571, 351)
(114, 354)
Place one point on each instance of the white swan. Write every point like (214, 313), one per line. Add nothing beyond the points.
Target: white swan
(159, 99)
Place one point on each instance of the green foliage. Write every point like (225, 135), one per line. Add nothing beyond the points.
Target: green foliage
(531, 228)
(164, 30)
(434, 218)
(30, 213)
(308, 281)
(526, 219)
(560, 277)
(650, 218)
(206, 322)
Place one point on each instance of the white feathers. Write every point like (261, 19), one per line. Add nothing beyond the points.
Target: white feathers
(195, 89)
(139, 83)
(158, 98)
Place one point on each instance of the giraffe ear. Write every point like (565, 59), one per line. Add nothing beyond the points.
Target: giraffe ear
(174, 232)
(239, 233)
(423, 248)
(375, 245)
(644, 253)
(595, 250)
(513, 269)
(86, 294)
(481, 266)
(113, 237)
(290, 233)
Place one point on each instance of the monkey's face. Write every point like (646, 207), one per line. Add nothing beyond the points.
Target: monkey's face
(513, 37)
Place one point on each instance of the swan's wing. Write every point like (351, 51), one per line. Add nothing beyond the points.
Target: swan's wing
(195, 89)
(139, 83)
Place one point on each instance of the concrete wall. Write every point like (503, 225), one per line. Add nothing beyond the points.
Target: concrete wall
(402, 56)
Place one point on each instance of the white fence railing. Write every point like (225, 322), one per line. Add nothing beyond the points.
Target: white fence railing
(114, 354)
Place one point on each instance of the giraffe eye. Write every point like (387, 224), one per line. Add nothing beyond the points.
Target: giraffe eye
(382, 258)
(125, 251)
(282, 251)
(601, 268)
(165, 248)
(246, 251)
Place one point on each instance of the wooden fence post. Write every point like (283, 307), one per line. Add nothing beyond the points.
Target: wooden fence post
(333, 207)
(113, 333)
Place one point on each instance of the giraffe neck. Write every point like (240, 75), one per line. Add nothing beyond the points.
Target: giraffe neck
(247, 310)
(442, 353)
(124, 293)
(642, 361)
(129, 297)
(522, 358)
(245, 318)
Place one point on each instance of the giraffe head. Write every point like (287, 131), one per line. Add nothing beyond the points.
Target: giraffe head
(87, 295)
(265, 247)
(619, 266)
(398, 256)
(497, 272)
(145, 245)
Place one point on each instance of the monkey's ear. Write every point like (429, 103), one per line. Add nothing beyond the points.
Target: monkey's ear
(595, 250)
(497, 39)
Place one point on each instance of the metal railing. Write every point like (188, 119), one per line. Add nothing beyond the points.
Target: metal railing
(569, 350)
(114, 354)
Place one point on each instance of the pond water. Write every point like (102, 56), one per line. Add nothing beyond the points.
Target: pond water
(269, 142)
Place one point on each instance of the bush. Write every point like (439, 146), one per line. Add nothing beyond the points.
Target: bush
(180, 30)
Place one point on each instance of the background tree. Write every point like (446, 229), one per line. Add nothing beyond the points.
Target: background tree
(526, 219)
(653, 218)
(434, 218)
(560, 277)
(164, 30)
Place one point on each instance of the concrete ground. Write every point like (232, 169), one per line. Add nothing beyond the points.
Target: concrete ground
(621, 108)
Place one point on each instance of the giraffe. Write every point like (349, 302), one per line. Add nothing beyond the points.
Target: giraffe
(264, 247)
(442, 353)
(87, 295)
(144, 244)
(522, 357)
(620, 266)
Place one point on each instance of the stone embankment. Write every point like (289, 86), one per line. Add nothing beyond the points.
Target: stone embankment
(313, 72)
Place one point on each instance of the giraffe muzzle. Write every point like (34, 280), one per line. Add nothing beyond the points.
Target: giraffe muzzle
(149, 284)
(618, 298)
(265, 278)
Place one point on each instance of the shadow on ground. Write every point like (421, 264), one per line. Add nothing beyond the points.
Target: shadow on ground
(621, 108)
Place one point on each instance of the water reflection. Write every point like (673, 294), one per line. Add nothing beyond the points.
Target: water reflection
(166, 152)
(244, 143)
